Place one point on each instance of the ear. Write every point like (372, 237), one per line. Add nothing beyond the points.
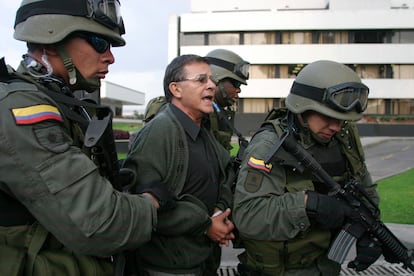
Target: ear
(175, 89)
(50, 51)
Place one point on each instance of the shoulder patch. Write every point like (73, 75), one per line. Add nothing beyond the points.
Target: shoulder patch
(259, 164)
(253, 181)
(35, 114)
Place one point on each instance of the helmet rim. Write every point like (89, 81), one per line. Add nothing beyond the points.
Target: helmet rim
(298, 104)
(53, 28)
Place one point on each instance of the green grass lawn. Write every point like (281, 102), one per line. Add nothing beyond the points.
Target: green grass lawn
(131, 127)
(397, 198)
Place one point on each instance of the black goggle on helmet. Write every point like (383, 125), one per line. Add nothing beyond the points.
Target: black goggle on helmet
(342, 97)
(227, 64)
(50, 21)
(329, 88)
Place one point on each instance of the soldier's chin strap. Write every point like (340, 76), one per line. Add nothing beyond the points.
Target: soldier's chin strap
(76, 80)
(223, 100)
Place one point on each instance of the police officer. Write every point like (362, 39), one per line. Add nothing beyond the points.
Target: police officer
(285, 217)
(58, 215)
(229, 72)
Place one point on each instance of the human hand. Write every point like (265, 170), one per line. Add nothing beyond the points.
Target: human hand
(327, 212)
(165, 199)
(221, 228)
(368, 251)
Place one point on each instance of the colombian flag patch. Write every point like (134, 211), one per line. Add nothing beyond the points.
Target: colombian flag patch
(259, 164)
(35, 114)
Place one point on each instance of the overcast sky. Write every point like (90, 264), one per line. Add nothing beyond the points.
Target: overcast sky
(140, 64)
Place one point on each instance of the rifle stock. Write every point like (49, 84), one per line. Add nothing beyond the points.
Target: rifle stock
(366, 219)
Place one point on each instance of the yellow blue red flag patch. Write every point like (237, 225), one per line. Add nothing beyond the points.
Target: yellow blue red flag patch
(35, 114)
(259, 164)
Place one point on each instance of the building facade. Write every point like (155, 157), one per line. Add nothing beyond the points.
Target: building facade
(278, 37)
(114, 95)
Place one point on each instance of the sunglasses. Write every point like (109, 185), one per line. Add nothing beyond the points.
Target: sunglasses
(202, 78)
(101, 45)
(235, 83)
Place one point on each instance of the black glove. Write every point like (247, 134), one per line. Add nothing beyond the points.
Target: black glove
(390, 258)
(162, 194)
(368, 251)
(327, 212)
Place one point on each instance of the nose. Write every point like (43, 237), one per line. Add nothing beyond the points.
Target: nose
(211, 84)
(108, 57)
(335, 124)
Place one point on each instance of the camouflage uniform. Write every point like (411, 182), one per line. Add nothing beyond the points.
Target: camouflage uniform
(269, 206)
(58, 215)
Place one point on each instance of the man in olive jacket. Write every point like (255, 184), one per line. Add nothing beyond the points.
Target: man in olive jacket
(176, 150)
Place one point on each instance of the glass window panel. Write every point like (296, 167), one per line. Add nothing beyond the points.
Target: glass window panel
(191, 39)
(259, 38)
(406, 71)
(403, 37)
(257, 105)
(224, 39)
(375, 106)
(262, 71)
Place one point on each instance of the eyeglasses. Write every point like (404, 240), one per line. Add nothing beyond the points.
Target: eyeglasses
(342, 97)
(240, 69)
(202, 78)
(101, 45)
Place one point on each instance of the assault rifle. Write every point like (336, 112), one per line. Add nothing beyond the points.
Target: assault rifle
(367, 213)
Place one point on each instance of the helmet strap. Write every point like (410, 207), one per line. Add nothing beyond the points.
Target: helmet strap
(76, 80)
(302, 121)
(67, 62)
(223, 100)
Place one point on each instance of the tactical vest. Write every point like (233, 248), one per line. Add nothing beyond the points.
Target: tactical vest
(26, 247)
(310, 247)
(220, 129)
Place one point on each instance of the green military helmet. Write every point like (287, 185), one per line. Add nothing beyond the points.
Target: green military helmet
(227, 64)
(50, 21)
(153, 107)
(330, 88)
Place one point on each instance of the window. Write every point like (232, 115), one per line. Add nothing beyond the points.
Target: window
(296, 38)
(223, 39)
(375, 106)
(192, 39)
(257, 105)
(262, 71)
(330, 37)
(402, 37)
(260, 38)
(403, 71)
(368, 37)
